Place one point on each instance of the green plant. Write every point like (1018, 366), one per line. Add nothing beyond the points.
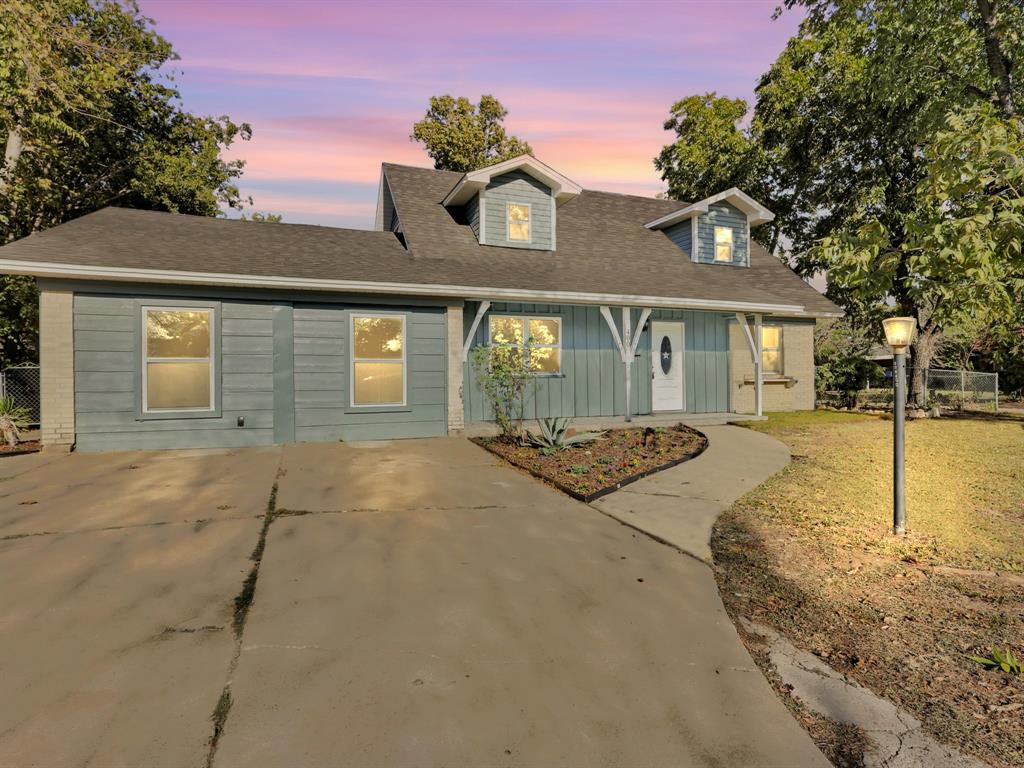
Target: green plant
(1004, 660)
(13, 418)
(504, 374)
(579, 469)
(552, 436)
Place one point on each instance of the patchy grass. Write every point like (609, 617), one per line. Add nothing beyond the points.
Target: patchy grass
(810, 553)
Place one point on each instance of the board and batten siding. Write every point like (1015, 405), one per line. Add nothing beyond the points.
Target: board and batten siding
(592, 382)
(722, 215)
(323, 410)
(108, 363)
(518, 187)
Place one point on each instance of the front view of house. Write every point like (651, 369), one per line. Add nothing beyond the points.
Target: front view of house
(169, 331)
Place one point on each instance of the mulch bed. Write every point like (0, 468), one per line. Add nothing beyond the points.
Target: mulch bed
(591, 470)
(32, 446)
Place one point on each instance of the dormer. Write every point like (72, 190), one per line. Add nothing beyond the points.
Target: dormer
(514, 203)
(715, 230)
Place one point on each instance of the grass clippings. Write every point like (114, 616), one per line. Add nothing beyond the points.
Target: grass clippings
(621, 456)
(810, 553)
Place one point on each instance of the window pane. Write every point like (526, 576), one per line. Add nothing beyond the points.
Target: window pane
(519, 231)
(377, 383)
(723, 253)
(771, 360)
(176, 333)
(723, 235)
(546, 359)
(177, 385)
(771, 337)
(506, 330)
(517, 212)
(377, 337)
(544, 331)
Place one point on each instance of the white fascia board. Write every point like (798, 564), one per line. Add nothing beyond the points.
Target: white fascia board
(172, 277)
(755, 212)
(562, 188)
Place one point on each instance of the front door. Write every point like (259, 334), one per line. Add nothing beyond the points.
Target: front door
(667, 364)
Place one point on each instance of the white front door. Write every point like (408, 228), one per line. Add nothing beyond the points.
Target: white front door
(667, 366)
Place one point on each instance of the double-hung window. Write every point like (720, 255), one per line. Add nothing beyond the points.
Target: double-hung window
(540, 339)
(771, 350)
(723, 243)
(178, 363)
(378, 360)
(517, 218)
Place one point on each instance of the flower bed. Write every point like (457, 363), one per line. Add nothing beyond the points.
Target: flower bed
(591, 470)
(31, 446)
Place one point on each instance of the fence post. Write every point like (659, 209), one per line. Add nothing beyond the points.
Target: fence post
(3, 385)
(963, 389)
(997, 392)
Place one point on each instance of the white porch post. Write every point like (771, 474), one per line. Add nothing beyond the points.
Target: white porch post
(627, 345)
(754, 342)
(480, 312)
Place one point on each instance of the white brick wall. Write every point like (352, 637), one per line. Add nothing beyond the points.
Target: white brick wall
(57, 368)
(456, 412)
(798, 364)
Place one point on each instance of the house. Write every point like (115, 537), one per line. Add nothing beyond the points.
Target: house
(169, 331)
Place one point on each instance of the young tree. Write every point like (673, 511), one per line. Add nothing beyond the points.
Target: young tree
(461, 136)
(88, 120)
(505, 373)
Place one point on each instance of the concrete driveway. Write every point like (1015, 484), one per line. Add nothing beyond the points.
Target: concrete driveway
(412, 603)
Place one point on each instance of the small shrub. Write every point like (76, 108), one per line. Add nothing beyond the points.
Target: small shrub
(13, 418)
(579, 469)
(504, 374)
(553, 435)
(1004, 660)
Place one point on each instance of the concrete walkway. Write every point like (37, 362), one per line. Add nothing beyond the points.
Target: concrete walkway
(680, 505)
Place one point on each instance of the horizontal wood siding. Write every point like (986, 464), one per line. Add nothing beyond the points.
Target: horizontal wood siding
(592, 382)
(107, 363)
(722, 215)
(322, 407)
(473, 215)
(682, 235)
(518, 187)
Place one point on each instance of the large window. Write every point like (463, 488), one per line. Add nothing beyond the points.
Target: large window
(378, 359)
(177, 371)
(518, 221)
(771, 349)
(723, 243)
(540, 338)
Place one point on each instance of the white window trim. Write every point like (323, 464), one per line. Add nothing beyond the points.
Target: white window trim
(781, 348)
(352, 359)
(146, 360)
(508, 222)
(526, 336)
(732, 244)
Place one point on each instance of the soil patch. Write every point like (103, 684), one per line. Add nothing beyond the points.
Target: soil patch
(32, 446)
(591, 470)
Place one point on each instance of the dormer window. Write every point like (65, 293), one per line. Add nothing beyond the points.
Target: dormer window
(723, 243)
(517, 219)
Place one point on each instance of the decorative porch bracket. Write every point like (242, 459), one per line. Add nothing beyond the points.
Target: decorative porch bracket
(754, 342)
(480, 312)
(627, 344)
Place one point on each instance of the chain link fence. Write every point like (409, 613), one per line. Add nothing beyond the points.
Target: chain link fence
(21, 382)
(961, 390)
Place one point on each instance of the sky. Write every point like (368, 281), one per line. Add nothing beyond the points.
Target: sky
(333, 88)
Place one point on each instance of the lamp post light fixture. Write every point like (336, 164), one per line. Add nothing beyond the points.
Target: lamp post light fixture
(899, 333)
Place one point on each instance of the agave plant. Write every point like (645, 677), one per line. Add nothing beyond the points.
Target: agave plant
(13, 418)
(552, 436)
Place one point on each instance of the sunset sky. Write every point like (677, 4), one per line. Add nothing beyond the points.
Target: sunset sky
(332, 88)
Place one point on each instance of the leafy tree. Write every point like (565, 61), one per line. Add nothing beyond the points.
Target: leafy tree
(268, 218)
(461, 136)
(87, 121)
(841, 361)
(876, 134)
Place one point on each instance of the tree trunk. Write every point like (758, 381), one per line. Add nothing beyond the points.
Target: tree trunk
(1000, 65)
(923, 349)
(12, 152)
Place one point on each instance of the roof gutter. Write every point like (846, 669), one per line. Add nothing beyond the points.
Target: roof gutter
(166, 276)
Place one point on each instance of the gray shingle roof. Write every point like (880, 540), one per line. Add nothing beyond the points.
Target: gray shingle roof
(603, 248)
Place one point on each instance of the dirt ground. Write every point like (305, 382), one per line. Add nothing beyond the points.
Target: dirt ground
(809, 553)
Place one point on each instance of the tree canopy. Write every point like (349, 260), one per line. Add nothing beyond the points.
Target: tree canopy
(89, 119)
(462, 136)
(886, 139)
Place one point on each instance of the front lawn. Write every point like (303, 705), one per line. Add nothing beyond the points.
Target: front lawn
(618, 457)
(809, 552)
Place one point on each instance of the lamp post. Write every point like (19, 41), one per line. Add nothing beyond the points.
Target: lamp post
(899, 332)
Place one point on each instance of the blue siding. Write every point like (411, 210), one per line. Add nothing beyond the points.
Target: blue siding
(473, 215)
(722, 215)
(518, 187)
(682, 235)
(592, 382)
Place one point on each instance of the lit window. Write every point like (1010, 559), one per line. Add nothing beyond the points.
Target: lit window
(723, 243)
(543, 339)
(771, 349)
(378, 360)
(518, 218)
(178, 366)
